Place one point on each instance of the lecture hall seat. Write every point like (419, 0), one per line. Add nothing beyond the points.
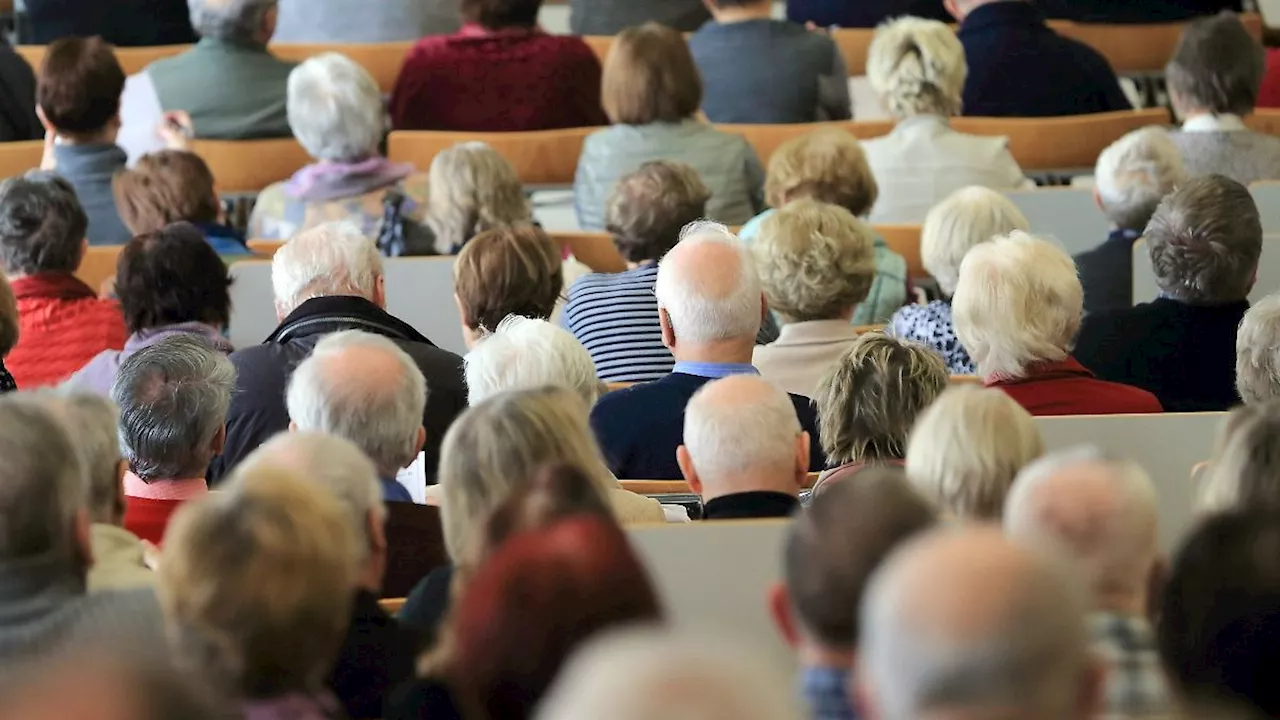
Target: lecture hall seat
(249, 166)
(540, 157)
(17, 158)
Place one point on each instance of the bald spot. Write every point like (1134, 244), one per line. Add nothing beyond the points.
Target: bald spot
(368, 369)
(710, 270)
(738, 391)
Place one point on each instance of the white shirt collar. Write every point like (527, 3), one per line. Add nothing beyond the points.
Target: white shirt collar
(1209, 122)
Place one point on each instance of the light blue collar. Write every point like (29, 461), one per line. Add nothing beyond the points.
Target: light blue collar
(715, 370)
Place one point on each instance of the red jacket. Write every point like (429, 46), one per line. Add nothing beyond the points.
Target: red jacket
(63, 325)
(1068, 388)
(1269, 93)
(498, 81)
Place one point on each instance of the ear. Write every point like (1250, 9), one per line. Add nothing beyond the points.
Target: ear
(685, 461)
(668, 332)
(1097, 198)
(802, 459)
(420, 442)
(122, 467)
(44, 120)
(764, 309)
(84, 250)
(377, 532)
(780, 611)
(82, 544)
(953, 10)
(379, 290)
(219, 440)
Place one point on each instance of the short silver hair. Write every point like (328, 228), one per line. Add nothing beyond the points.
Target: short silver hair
(42, 481)
(335, 109)
(1245, 470)
(173, 398)
(1205, 239)
(1134, 174)
(917, 67)
(235, 20)
(1018, 302)
(643, 673)
(732, 435)
(1258, 352)
(695, 316)
(473, 189)
(330, 462)
(96, 422)
(378, 409)
(966, 217)
(527, 353)
(327, 260)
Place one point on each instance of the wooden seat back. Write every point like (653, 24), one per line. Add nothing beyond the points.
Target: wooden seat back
(249, 166)
(98, 265)
(540, 157)
(1062, 143)
(17, 158)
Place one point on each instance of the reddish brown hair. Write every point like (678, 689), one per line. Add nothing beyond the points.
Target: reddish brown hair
(80, 85)
(508, 271)
(650, 76)
(497, 14)
(164, 188)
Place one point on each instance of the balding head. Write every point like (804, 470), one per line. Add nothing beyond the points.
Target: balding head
(709, 296)
(741, 434)
(364, 388)
(1101, 510)
(963, 623)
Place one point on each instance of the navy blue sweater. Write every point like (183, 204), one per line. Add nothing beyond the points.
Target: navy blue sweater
(639, 428)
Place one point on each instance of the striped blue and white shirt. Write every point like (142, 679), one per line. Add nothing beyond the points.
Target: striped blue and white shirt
(615, 316)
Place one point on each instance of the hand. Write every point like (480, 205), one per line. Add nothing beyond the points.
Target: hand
(176, 129)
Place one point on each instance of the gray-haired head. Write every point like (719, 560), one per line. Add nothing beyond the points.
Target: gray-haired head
(1134, 174)
(238, 21)
(1216, 68)
(42, 225)
(708, 286)
(1205, 239)
(173, 398)
(335, 109)
(364, 388)
(333, 259)
(524, 353)
(964, 622)
(1258, 352)
(42, 483)
(94, 419)
(473, 189)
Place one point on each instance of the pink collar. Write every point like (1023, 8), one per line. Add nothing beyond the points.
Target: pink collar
(176, 489)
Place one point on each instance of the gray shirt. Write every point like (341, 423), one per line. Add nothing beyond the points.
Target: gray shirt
(364, 21)
(89, 169)
(1242, 155)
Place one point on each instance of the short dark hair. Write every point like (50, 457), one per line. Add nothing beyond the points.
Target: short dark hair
(1217, 65)
(165, 187)
(172, 276)
(42, 224)
(495, 14)
(649, 76)
(80, 85)
(1205, 239)
(835, 545)
(1219, 634)
(508, 271)
(649, 207)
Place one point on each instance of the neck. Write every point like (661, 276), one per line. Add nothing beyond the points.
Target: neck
(814, 654)
(746, 483)
(105, 136)
(1132, 603)
(755, 11)
(737, 350)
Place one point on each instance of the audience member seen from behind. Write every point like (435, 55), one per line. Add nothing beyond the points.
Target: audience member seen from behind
(1131, 178)
(1020, 67)
(1218, 625)
(336, 112)
(354, 21)
(917, 68)
(642, 673)
(173, 398)
(174, 186)
(522, 354)
(78, 100)
(499, 73)
(1101, 511)
(62, 322)
(615, 315)
(967, 217)
(816, 265)
(18, 121)
(1205, 240)
(1258, 352)
(869, 400)
(1214, 78)
(363, 388)
(759, 70)
(1243, 472)
(831, 550)
(10, 331)
(248, 584)
(508, 271)
(652, 93)
(964, 623)
(710, 305)
(377, 653)
(325, 280)
(169, 282)
(829, 166)
(474, 189)
(1017, 307)
(967, 448)
(744, 453)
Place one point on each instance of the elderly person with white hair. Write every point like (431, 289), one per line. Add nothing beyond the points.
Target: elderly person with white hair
(744, 452)
(965, 623)
(966, 449)
(918, 69)
(967, 217)
(710, 306)
(1101, 511)
(377, 654)
(1017, 307)
(526, 353)
(1258, 352)
(1244, 473)
(326, 280)
(1205, 240)
(817, 264)
(1131, 177)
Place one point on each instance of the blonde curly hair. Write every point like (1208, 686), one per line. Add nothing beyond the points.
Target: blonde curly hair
(826, 165)
(917, 67)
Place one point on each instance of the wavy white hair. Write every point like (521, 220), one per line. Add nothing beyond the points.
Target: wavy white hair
(696, 315)
(327, 260)
(1134, 173)
(917, 67)
(963, 219)
(1258, 352)
(526, 353)
(335, 108)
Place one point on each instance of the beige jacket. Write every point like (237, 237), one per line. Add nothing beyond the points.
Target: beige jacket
(632, 508)
(117, 560)
(803, 353)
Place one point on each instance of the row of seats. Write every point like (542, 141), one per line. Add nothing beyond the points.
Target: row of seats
(1131, 49)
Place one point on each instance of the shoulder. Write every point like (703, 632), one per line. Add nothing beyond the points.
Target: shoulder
(571, 47)
(632, 508)
(435, 362)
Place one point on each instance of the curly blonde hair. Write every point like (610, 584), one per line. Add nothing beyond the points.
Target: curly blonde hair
(815, 260)
(917, 67)
(473, 189)
(826, 165)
